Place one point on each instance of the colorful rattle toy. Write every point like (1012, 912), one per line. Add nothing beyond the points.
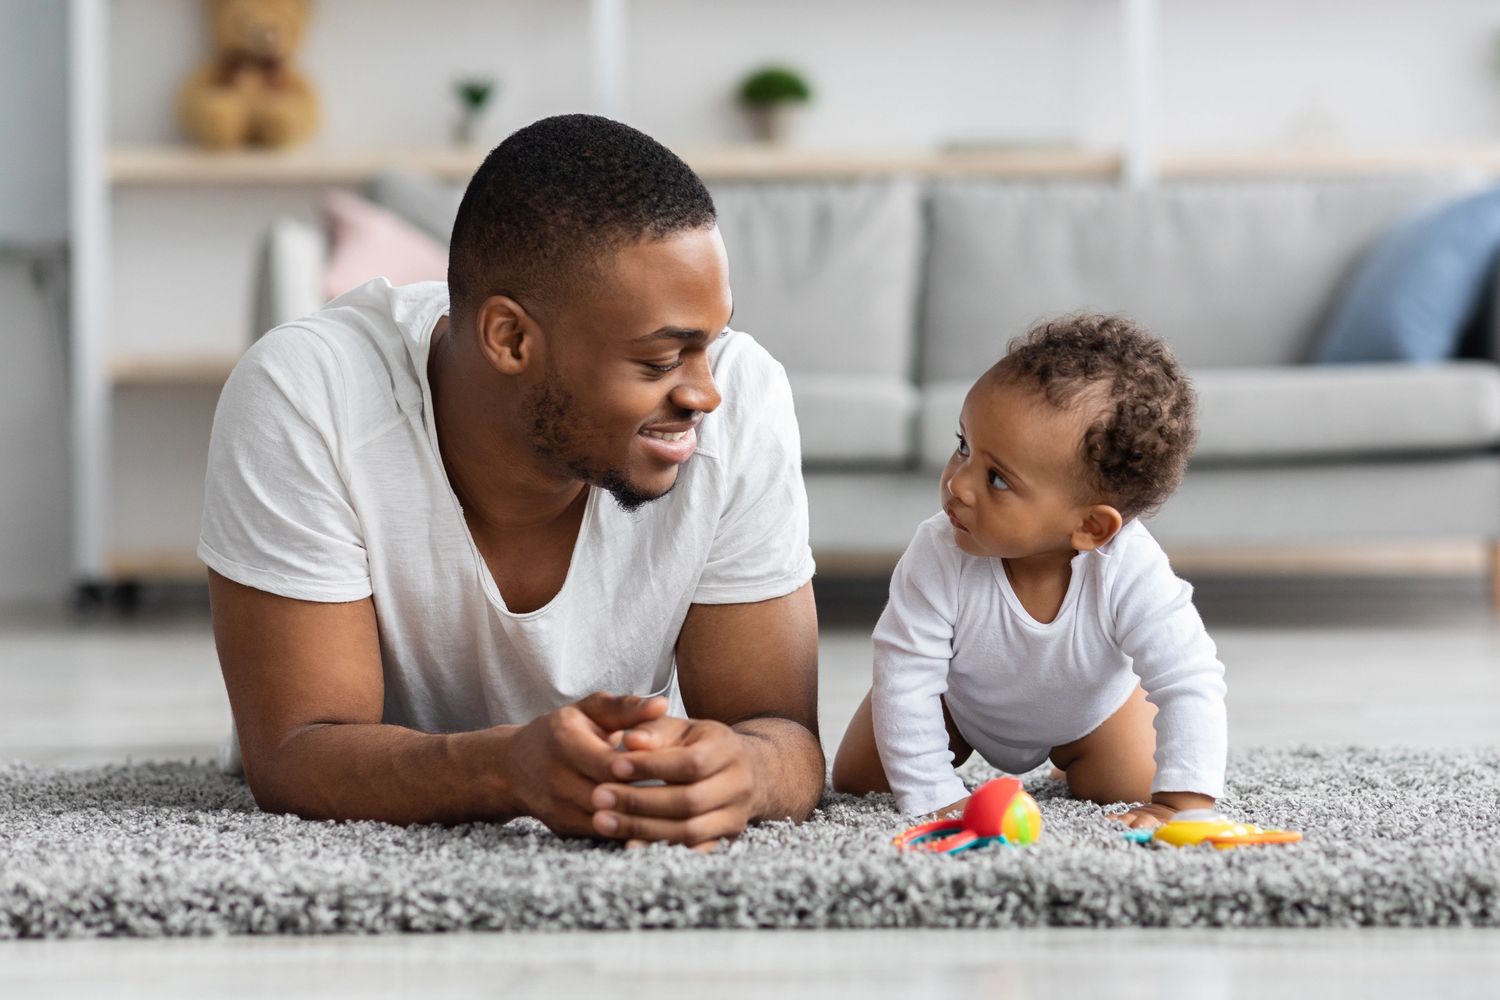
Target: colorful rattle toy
(998, 811)
(1203, 826)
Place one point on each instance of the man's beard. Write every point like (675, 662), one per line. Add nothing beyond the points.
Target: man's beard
(557, 438)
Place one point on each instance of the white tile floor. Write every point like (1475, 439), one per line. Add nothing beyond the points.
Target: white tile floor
(1373, 664)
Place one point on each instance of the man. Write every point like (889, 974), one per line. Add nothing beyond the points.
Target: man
(417, 571)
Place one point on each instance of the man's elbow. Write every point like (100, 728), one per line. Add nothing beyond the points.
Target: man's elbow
(282, 781)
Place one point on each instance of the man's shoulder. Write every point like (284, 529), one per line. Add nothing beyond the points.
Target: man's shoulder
(356, 351)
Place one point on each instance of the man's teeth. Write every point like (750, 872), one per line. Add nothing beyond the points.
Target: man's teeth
(666, 435)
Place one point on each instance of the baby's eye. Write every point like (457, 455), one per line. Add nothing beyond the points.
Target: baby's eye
(997, 481)
(963, 446)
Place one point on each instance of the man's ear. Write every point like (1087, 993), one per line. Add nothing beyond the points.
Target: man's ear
(1098, 525)
(508, 336)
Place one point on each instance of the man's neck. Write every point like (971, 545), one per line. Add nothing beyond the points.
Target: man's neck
(484, 446)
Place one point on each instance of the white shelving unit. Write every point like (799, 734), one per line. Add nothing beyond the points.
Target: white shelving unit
(89, 289)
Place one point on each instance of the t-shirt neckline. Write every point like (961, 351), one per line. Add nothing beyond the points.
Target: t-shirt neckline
(421, 355)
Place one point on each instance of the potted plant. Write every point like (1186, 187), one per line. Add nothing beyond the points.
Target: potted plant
(774, 96)
(473, 93)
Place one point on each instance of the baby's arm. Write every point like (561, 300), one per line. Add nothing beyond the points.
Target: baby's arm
(913, 644)
(1160, 629)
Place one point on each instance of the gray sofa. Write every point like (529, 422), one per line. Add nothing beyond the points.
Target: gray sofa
(885, 298)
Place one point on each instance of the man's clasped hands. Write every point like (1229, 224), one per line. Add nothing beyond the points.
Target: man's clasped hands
(583, 771)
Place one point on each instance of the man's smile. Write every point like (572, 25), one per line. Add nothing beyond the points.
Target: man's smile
(671, 443)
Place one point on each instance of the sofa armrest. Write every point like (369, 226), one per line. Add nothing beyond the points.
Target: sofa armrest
(288, 274)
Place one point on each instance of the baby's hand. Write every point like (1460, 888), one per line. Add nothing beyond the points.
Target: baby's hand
(1145, 817)
(953, 811)
(1162, 807)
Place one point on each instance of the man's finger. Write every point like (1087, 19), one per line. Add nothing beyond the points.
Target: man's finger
(571, 790)
(655, 734)
(664, 801)
(677, 765)
(582, 746)
(698, 830)
(612, 712)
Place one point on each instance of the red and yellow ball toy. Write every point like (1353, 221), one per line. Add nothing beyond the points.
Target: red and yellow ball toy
(999, 811)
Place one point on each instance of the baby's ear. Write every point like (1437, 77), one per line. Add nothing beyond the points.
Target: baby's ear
(1097, 526)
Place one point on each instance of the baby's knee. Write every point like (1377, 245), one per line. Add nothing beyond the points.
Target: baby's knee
(858, 773)
(1110, 782)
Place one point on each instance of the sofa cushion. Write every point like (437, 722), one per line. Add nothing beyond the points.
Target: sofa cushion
(1419, 286)
(854, 420)
(1353, 410)
(1230, 273)
(825, 274)
(1299, 412)
(428, 202)
(937, 419)
(367, 241)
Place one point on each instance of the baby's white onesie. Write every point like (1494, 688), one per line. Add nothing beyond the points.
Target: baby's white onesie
(955, 630)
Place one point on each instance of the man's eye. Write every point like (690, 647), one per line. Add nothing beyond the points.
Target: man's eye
(963, 446)
(664, 369)
(997, 481)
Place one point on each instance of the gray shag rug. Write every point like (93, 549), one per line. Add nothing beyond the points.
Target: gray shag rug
(1393, 838)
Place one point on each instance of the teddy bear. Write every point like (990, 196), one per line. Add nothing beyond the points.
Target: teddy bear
(248, 93)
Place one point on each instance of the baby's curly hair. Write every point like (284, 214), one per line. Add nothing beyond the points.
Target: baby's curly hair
(1137, 449)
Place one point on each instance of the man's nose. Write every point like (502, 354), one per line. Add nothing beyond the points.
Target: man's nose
(697, 392)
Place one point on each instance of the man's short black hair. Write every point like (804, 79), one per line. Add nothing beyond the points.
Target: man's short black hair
(555, 198)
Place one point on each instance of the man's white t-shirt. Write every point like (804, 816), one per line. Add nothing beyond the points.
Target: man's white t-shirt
(325, 484)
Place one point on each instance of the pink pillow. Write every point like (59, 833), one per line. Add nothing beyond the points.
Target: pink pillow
(370, 242)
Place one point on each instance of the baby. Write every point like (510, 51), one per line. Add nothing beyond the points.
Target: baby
(1035, 617)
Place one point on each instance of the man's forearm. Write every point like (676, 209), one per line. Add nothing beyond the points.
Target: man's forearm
(789, 768)
(387, 773)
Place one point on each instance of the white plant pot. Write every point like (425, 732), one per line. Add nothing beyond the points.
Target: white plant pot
(777, 124)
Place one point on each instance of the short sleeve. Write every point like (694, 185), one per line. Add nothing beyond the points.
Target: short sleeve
(760, 548)
(276, 513)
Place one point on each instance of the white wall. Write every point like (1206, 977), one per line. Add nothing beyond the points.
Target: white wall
(33, 126)
(1347, 72)
(33, 445)
(888, 73)
(33, 408)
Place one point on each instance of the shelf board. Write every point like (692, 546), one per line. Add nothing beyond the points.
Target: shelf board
(170, 165)
(771, 162)
(156, 566)
(1319, 160)
(145, 369)
(181, 164)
